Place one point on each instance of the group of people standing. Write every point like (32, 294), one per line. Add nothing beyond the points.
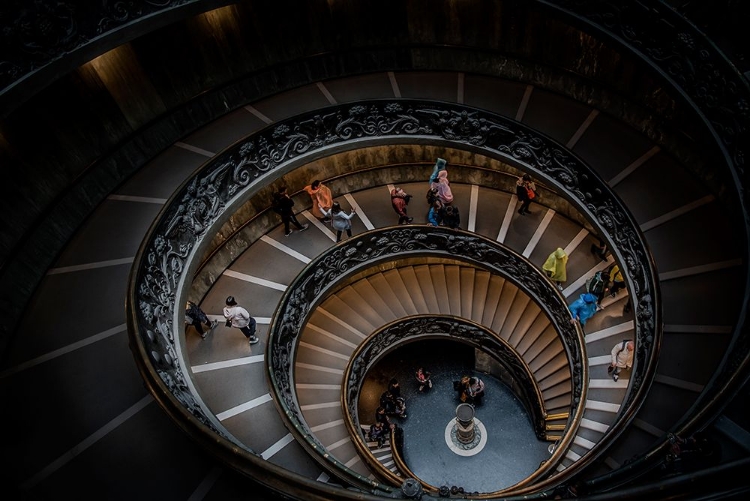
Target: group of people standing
(392, 404)
(440, 208)
(470, 390)
(323, 208)
(603, 283)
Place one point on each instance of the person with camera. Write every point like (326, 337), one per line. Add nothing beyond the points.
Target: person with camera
(399, 201)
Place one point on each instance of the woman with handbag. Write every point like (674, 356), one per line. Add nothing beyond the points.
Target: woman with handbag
(526, 192)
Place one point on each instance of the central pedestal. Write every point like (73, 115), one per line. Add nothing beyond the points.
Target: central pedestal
(465, 423)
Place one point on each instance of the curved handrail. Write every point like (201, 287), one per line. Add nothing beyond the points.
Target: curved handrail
(389, 337)
(689, 62)
(321, 275)
(163, 265)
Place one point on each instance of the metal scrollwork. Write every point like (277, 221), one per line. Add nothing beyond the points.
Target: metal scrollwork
(710, 84)
(200, 206)
(362, 251)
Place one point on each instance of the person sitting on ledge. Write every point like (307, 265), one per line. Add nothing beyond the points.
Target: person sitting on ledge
(381, 416)
(378, 433)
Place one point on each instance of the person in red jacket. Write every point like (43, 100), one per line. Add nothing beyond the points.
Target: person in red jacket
(399, 201)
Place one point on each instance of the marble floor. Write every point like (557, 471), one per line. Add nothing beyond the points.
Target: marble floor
(511, 452)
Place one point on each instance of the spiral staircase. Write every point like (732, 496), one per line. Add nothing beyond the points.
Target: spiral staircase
(96, 431)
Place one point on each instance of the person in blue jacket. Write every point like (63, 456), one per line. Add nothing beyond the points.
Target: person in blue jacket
(434, 216)
(583, 308)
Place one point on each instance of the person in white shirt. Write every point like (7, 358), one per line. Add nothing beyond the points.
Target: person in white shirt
(622, 358)
(238, 317)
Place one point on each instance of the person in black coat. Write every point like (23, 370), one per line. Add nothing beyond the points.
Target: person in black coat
(282, 205)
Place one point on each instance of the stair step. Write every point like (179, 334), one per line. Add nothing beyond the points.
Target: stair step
(362, 306)
(381, 283)
(528, 317)
(558, 366)
(409, 276)
(371, 296)
(534, 332)
(481, 285)
(556, 391)
(342, 311)
(504, 306)
(440, 284)
(466, 301)
(494, 292)
(401, 292)
(424, 282)
(516, 311)
(548, 336)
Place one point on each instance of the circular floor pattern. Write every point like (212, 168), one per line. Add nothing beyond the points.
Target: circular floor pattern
(471, 449)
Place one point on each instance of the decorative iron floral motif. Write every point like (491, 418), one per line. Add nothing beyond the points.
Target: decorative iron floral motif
(310, 287)
(199, 206)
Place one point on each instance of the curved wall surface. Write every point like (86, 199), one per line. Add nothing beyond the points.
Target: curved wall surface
(100, 122)
(70, 139)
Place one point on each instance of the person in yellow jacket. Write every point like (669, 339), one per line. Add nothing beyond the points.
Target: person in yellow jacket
(555, 267)
(618, 282)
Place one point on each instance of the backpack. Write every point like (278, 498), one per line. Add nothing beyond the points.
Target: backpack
(596, 284)
(431, 196)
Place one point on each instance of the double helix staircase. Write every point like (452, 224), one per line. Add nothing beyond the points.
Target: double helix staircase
(74, 346)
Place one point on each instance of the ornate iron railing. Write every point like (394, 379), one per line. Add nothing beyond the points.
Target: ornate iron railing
(395, 334)
(709, 83)
(322, 275)
(164, 264)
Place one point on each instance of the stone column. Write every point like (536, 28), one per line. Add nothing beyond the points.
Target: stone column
(465, 423)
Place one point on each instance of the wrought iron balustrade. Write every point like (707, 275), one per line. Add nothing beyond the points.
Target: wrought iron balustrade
(163, 267)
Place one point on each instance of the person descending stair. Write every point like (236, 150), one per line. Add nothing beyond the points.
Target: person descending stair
(239, 318)
(340, 220)
(320, 196)
(451, 217)
(618, 282)
(197, 318)
(439, 181)
(526, 192)
(556, 267)
(378, 433)
(598, 285)
(622, 358)
(583, 308)
(283, 205)
(399, 201)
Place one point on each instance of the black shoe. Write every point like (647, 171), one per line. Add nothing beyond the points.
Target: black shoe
(520, 212)
(304, 227)
(410, 220)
